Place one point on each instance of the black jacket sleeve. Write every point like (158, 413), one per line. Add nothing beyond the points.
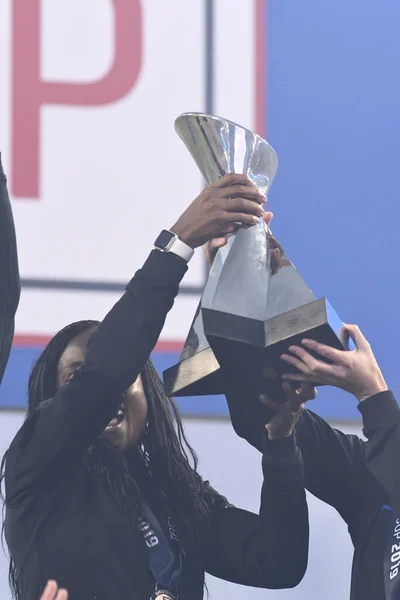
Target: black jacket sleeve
(381, 418)
(268, 550)
(65, 426)
(333, 461)
(9, 275)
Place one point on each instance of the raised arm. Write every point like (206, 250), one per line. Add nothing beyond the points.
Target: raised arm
(9, 275)
(357, 372)
(66, 425)
(63, 427)
(331, 458)
(267, 550)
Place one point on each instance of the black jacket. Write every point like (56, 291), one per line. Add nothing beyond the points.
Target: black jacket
(360, 479)
(61, 524)
(9, 275)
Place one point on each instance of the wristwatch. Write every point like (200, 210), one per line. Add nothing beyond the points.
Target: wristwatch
(168, 241)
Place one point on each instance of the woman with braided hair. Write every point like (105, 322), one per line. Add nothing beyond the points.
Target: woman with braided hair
(102, 491)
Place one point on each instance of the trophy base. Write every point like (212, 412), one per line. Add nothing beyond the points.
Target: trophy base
(250, 350)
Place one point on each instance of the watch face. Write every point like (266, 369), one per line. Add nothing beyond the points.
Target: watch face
(164, 239)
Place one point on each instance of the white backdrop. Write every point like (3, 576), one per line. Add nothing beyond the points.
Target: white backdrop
(111, 176)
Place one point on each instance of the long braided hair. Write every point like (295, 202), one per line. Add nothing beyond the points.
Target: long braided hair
(163, 449)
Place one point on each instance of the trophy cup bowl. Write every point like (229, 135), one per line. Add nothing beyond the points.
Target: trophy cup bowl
(254, 304)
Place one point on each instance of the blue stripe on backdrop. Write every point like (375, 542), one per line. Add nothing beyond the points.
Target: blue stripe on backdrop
(13, 391)
(14, 386)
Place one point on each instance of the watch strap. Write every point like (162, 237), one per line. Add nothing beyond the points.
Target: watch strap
(169, 242)
(181, 249)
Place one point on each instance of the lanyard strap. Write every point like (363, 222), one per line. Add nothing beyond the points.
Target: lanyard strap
(391, 562)
(165, 563)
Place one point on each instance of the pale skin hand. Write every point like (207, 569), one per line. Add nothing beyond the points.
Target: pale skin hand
(289, 412)
(51, 592)
(355, 371)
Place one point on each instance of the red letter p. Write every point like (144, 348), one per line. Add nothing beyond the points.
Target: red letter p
(30, 92)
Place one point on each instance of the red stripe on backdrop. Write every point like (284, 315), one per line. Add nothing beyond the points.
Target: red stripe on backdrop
(38, 341)
(260, 70)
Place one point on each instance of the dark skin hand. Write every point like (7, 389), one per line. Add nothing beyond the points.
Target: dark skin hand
(233, 199)
(211, 247)
(278, 259)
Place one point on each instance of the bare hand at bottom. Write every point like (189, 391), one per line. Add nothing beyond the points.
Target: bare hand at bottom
(51, 592)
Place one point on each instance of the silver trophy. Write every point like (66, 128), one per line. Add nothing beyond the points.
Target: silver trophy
(255, 304)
